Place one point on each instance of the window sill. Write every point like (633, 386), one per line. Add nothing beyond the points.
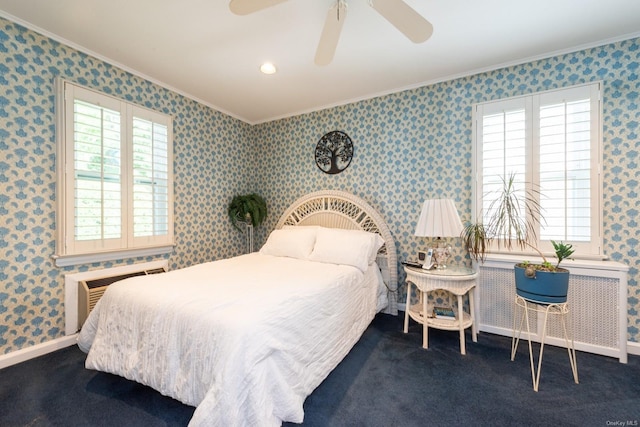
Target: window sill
(494, 260)
(68, 260)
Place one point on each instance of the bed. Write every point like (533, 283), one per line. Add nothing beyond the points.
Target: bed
(247, 339)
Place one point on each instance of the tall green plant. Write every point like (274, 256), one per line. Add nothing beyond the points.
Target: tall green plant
(512, 222)
(247, 208)
(513, 219)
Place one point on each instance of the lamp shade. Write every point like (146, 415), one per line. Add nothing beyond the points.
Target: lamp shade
(439, 218)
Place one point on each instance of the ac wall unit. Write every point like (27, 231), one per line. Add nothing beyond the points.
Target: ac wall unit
(90, 291)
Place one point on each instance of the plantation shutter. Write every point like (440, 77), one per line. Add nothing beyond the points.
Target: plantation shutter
(565, 164)
(150, 177)
(97, 172)
(97, 182)
(504, 149)
(550, 142)
(115, 179)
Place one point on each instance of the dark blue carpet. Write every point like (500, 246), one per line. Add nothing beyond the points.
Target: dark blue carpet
(386, 380)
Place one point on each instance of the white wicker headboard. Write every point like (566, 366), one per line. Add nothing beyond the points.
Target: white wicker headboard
(339, 209)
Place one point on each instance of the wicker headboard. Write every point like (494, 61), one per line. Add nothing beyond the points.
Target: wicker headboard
(339, 209)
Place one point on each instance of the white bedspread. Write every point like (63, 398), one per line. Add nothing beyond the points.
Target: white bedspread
(246, 340)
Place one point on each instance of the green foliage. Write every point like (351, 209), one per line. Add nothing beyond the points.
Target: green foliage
(547, 266)
(563, 251)
(475, 239)
(247, 208)
(513, 221)
(514, 216)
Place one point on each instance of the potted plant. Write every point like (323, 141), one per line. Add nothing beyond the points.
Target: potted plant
(545, 282)
(246, 212)
(512, 222)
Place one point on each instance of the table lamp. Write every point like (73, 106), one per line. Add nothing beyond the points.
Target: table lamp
(439, 218)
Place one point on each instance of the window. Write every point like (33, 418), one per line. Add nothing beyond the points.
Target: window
(115, 187)
(551, 143)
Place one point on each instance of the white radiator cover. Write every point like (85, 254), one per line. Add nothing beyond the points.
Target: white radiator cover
(597, 305)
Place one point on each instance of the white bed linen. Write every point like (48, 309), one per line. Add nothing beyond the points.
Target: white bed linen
(246, 340)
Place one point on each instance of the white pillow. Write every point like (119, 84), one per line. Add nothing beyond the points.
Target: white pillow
(376, 243)
(349, 247)
(294, 242)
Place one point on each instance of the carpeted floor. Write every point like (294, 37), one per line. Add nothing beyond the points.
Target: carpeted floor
(386, 380)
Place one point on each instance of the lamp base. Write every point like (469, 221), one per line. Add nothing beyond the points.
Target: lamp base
(441, 254)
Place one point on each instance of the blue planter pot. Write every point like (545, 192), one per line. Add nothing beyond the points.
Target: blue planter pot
(546, 287)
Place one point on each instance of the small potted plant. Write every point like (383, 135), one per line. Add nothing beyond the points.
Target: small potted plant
(513, 222)
(545, 282)
(246, 212)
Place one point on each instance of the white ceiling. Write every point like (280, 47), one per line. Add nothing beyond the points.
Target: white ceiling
(200, 49)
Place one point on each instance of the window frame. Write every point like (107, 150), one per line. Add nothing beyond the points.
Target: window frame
(69, 250)
(592, 249)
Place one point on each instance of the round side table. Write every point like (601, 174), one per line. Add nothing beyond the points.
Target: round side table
(458, 281)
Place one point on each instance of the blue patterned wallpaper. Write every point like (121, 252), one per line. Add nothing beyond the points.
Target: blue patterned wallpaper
(416, 144)
(408, 146)
(211, 151)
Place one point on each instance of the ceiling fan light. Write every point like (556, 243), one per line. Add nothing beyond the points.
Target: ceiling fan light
(268, 68)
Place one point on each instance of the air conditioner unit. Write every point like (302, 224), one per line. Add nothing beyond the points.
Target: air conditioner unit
(90, 291)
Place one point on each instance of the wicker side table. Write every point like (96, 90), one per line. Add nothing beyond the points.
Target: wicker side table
(458, 281)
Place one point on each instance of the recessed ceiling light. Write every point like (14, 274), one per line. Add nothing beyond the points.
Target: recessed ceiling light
(268, 68)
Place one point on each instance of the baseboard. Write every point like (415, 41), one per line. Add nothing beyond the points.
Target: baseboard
(32, 352)
(53, 345)
(633, 348)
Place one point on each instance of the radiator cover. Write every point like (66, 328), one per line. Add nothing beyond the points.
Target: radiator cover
(597, 305)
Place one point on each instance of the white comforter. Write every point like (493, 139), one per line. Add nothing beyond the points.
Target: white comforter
(246, 340)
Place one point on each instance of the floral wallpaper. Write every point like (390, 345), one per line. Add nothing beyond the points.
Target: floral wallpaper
(211, 151)
(417, 144)
(407, 146)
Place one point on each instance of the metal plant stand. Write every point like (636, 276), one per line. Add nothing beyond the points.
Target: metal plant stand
(559, 309)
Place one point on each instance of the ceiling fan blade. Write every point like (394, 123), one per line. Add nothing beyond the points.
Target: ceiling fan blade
(404, 18)
(331, 33)
(245, 7)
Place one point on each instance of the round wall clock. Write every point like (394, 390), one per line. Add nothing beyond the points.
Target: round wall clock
(334, 152)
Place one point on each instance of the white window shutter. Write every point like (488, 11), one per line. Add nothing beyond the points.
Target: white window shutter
(115, 177)
(551, 142)
(151, 192)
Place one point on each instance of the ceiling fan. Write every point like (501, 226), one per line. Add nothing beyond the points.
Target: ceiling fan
(397, 12)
